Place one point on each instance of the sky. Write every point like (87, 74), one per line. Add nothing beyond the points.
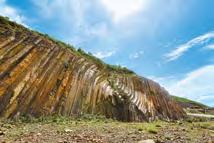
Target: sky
(169, 41)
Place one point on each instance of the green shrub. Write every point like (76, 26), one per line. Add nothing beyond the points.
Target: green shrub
(4, 20)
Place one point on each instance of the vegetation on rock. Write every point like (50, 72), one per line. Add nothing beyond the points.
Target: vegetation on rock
(41, 76)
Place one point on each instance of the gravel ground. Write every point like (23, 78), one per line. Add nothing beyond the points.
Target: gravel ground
(66, 130)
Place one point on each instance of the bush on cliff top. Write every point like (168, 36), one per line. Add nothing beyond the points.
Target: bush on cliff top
(117, 68)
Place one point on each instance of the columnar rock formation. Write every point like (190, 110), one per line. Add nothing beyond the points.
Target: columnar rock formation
(39, 76)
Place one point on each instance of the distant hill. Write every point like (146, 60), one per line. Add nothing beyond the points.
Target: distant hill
(193, 106)
(188, 103)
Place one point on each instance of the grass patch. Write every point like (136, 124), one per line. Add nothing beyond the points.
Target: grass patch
(13, 26)
(207, 125)
(152, 127)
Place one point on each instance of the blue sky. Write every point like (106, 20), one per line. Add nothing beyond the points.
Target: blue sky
(169, 41)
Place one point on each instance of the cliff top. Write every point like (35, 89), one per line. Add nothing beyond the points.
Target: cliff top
(79, 52)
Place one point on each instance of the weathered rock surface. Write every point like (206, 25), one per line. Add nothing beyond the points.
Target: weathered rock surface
(39, 76)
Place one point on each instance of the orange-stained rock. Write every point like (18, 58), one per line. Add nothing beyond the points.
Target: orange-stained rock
(39, 76)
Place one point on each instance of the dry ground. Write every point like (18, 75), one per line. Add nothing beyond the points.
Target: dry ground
(101, 130)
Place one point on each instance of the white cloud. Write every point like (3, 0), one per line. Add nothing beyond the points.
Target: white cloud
(197, 85)
(181, 49)
(73, 17)
(67, 10)
(103, 55)
(209, 47)
(12, 13)
(121, 9)
(136, 55)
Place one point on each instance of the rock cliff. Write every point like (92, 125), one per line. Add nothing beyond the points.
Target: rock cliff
(42, 76)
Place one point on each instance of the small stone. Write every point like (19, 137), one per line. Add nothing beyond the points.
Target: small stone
(159, 141)
(153, 131)
(147, 141)
(68, 130)
(39, 134)
(2, 133)
(168, 137)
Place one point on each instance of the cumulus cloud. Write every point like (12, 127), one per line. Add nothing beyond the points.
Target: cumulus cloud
(103, 55)
(197, 85)
(66, 9)
(181, 49)
(77, 19)
(12, 13)
(121, 9)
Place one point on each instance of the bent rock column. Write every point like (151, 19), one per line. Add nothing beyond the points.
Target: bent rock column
(40, 76)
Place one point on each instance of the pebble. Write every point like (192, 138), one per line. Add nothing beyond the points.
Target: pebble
(39, 134)
(68, 130)
(147, 141)
(2, 133)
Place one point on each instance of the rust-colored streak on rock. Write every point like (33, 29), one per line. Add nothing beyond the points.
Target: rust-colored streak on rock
(39, 77)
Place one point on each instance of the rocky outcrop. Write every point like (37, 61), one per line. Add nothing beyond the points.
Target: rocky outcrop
(39, 76)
